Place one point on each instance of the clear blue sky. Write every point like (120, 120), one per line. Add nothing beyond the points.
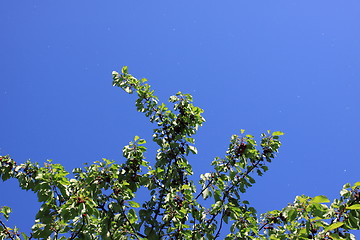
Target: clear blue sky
(285, 65)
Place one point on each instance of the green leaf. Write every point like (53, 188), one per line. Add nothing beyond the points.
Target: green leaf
(192, 149)
(206, 193)
(134, 204)
(335, 236)
(277, 133)
(24, 236)
(217, 195)
(185, 187)
(292, 215)
(232, 174)
(355, 206)
(333, 226)
(132, 216)
(320, 199)
(124, 70)
(6, 211)
(353, 220)
(226, 218)
(216, 207)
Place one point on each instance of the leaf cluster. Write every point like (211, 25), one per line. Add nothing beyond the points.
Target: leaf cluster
(104, 200)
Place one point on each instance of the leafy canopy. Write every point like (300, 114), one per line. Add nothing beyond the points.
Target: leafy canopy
(101, 201)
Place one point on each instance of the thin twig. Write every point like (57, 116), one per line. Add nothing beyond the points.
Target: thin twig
(6, 230)
(132, 227)
(221, 223)
(78, 232)
(232, 186)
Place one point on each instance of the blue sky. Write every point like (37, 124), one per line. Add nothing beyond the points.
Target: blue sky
(281, 65)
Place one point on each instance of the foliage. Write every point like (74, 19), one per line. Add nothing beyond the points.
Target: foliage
(102, 200)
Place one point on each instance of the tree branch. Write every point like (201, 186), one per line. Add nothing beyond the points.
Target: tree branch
(226, 193)
(6, 230)
(75, 234)
(221, 223)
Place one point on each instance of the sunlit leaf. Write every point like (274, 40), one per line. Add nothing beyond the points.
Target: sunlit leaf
(355, 206)
(333, 226)
(320, 199)
(277, 133)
